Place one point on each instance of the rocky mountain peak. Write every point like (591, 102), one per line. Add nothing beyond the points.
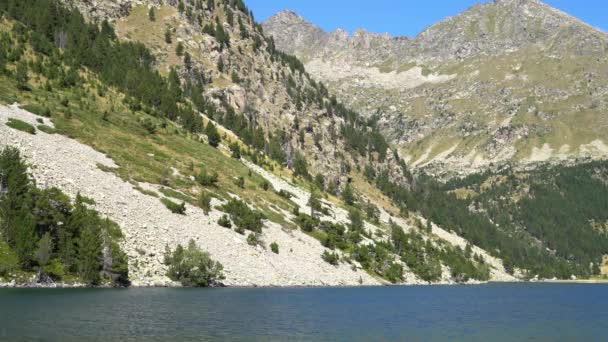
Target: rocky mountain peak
(487, 75)
(287, 17)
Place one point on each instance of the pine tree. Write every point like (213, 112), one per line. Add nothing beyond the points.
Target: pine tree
(347, 195)
(152, 14)
(314, 202)
(45, 249)
(168, 38)
(21, 75)
(188, 61)
(14, 188)
(300, 166)
(89, 254)
(213, 136)
(25, 238)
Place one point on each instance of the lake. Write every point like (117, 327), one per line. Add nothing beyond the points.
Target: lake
(492, 312)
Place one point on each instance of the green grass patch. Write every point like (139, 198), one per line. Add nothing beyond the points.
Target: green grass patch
(176, 195)
(146, 192)
(38, 110)
(21, 126)
(46, 129)
(174, 207)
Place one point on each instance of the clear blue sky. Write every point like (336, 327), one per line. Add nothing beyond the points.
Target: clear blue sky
(404, 17)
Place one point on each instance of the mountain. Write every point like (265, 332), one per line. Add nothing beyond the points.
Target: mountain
(508, 82)
(222, 161)
(182, 124)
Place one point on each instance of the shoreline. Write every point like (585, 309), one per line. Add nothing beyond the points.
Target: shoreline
(82, 286)
(8, 285)
(577, 281)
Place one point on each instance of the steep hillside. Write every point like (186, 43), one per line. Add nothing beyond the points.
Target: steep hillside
(114, 120)
(261, 94)
(508, 82)
(184, 125)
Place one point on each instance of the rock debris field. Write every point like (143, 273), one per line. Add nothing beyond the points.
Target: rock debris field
(148, 226)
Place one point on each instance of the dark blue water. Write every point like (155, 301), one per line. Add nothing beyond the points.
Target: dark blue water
(495, 312)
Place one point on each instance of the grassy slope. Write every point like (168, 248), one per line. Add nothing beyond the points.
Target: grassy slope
(140, 156)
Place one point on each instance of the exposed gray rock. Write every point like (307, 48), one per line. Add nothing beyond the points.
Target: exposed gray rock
(474, 91)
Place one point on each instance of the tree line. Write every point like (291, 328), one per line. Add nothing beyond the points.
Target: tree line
(43, 231)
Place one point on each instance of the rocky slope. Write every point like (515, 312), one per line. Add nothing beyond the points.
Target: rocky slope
(265, 105)
(242, 72)
(510, 81)
(76, 168)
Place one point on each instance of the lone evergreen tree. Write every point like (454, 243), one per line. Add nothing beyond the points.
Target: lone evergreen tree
(314, 203)
(21, 76)
(179, 50)
(348, 196)
(213, 136)
(152, 14)
(168, 38)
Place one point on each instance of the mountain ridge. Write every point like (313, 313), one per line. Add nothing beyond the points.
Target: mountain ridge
(205, 134)
(428, 89)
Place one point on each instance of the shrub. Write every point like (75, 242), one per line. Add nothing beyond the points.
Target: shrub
(394, 273)
(306, 222)
(331, 258)
(149, 126)
(253, 239)
(54, 269)
(265, 185)
(224, 221)
(244, 217)
(174, 207)
(213, 136)
(46, 129)
(21, 126)
(192, 266)
(235, 77)
(206, 179)
(274, 247)
(285, 194)
(204, 200)
(236, 150)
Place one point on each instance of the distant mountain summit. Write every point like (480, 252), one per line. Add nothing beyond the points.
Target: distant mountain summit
(487, 29)
(511, 81)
